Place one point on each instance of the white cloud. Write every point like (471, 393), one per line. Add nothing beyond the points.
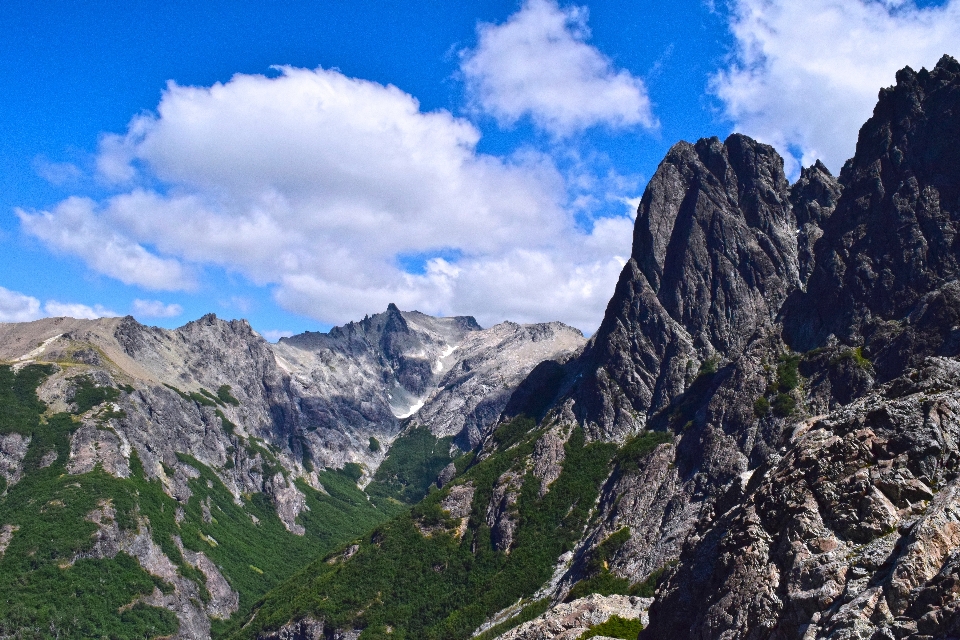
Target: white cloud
(317, 184)
(539, 64)
(74, 310)
(74, 227)
(155, 309)
(805, 75)
(17, 307)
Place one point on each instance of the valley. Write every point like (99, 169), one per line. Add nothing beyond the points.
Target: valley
(759, 441)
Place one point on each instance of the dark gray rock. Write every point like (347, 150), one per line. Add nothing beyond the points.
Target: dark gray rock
(888, 260)
(852, 532)
(814, 197)
(714, 256)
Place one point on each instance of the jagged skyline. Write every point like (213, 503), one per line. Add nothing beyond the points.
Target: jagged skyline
(482, 162)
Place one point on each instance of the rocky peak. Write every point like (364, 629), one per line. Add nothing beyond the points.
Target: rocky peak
(714, 256)
(814, 197)
(891, 243)
(715, 238)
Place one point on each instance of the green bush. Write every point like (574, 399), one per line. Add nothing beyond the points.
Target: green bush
(635, 449)
(648, 587)
(374, 445)
(353, 471)
(88, 395)
(708, 367)
(224, 394)
(788, 374)
(761, 407)
(607, 549)
(526, 614)
(512, 432)
(784, 405)
(604, 583)
(856, 357)
(228, 426)
(615, 627)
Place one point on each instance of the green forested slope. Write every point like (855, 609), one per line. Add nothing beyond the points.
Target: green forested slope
(412, 577)
(45, 593)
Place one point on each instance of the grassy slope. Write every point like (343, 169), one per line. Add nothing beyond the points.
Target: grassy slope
(402, 584)
(39, 598)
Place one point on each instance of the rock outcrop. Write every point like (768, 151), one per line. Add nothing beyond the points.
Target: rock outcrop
(769, 523)
(571, 620)
(852, 530)
(714, 256)
(690, 340)
(887, 264)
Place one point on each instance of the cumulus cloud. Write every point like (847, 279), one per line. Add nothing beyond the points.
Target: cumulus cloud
(805, 76)
(321, 185)
(75, 310)
(538, 64)
(155, 309)
(73, 227)
(17, 307)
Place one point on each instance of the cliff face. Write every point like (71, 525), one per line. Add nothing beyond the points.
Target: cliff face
(690, 340)
(797, 344)
(714, 256)
(851, 532)
(888, 260)
(848, 530)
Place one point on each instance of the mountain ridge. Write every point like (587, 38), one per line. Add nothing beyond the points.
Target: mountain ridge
(760, 441)
(736, 404)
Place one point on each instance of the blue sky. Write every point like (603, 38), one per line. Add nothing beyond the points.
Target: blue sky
(301, 164)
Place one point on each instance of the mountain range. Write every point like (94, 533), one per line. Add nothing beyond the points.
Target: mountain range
(760, 440)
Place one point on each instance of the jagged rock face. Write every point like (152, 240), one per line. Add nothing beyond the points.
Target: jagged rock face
(654, 505)
(446, 374)
(13, 448)
(489, 365)
(714, 256)
(889, 252)
(814, 196)
(851, 533)
(502, 511)
(875, 252)
(184, 599)
(314, 397)
(571, 620)
(362, 379)
(715, 238)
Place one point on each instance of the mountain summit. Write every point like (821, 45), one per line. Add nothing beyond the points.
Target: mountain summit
(765, 423)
